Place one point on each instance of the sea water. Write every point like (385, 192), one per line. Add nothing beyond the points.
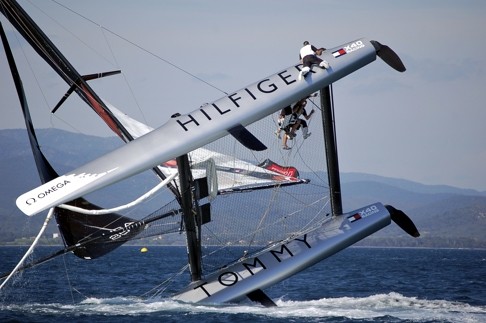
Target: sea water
(356, 285)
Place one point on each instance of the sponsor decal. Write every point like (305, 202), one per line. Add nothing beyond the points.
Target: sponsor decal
(243, 99)
(233, 102)
(239, 100)
(348, 49)
(49, 190)
(229, 277)
(61, 185)
(339, 52)
(248, 268)
(354, 217)
(363, 213)
(121, 231)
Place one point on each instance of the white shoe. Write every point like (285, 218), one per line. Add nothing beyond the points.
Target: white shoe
(307, 135)
(304, 72)
(324, 64)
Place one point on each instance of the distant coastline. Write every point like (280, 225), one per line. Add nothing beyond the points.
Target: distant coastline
(447, 217)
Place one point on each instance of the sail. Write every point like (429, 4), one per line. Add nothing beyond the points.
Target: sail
(82, 234)
(232, 174)
(77, 83)
(121, 124)
(89, 236)
(237, 244)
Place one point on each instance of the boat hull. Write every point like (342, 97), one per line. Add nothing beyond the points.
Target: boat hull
(236, 281)
(185, 133)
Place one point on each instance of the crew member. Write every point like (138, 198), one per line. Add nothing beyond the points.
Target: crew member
(308, 55)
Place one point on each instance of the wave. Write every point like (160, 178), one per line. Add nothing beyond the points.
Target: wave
(389, 307)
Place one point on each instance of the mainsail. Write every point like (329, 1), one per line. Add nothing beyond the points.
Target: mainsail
(231, 174)
(283, 227)
(74, 227)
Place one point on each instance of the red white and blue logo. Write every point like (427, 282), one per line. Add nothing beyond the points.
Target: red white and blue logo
(354, 217)
(363, 213)
(348, 49)
(339, 52)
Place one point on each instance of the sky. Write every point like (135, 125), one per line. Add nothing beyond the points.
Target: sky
(424, 125)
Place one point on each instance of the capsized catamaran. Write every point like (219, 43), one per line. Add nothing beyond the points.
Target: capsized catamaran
(196, 175)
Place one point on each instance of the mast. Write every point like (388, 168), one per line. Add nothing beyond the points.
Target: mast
(46, 49)
(329, 127)
(192, 227)
(51, 54)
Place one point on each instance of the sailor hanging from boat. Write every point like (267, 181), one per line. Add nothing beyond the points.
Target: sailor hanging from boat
(289, 121)
(308, 55)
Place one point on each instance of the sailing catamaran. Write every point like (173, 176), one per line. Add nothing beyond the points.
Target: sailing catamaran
(304, 232)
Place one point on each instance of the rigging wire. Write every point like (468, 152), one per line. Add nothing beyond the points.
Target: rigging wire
(124, 76)
(105, 30)
(120, 37)
(71, 33)
(142, 48)
(34, 75)
(160, 288)
(66, 271)
(264, 215)
(38, 83)
(298, 150)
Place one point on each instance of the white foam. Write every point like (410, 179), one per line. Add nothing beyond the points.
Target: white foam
(375, 306)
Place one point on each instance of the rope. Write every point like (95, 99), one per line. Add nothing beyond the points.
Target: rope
(122, 207)
(31, 248)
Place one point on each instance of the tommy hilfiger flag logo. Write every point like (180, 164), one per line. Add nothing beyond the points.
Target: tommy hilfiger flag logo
(354, 217)
(338, 53)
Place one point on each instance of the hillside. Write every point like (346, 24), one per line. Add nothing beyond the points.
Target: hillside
(446, 216)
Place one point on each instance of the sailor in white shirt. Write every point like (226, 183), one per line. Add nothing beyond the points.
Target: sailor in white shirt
(308, 54)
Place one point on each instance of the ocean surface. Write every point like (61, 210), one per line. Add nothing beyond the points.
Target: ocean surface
(356, 285)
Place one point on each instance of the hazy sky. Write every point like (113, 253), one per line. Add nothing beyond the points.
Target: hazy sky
(425, 125)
